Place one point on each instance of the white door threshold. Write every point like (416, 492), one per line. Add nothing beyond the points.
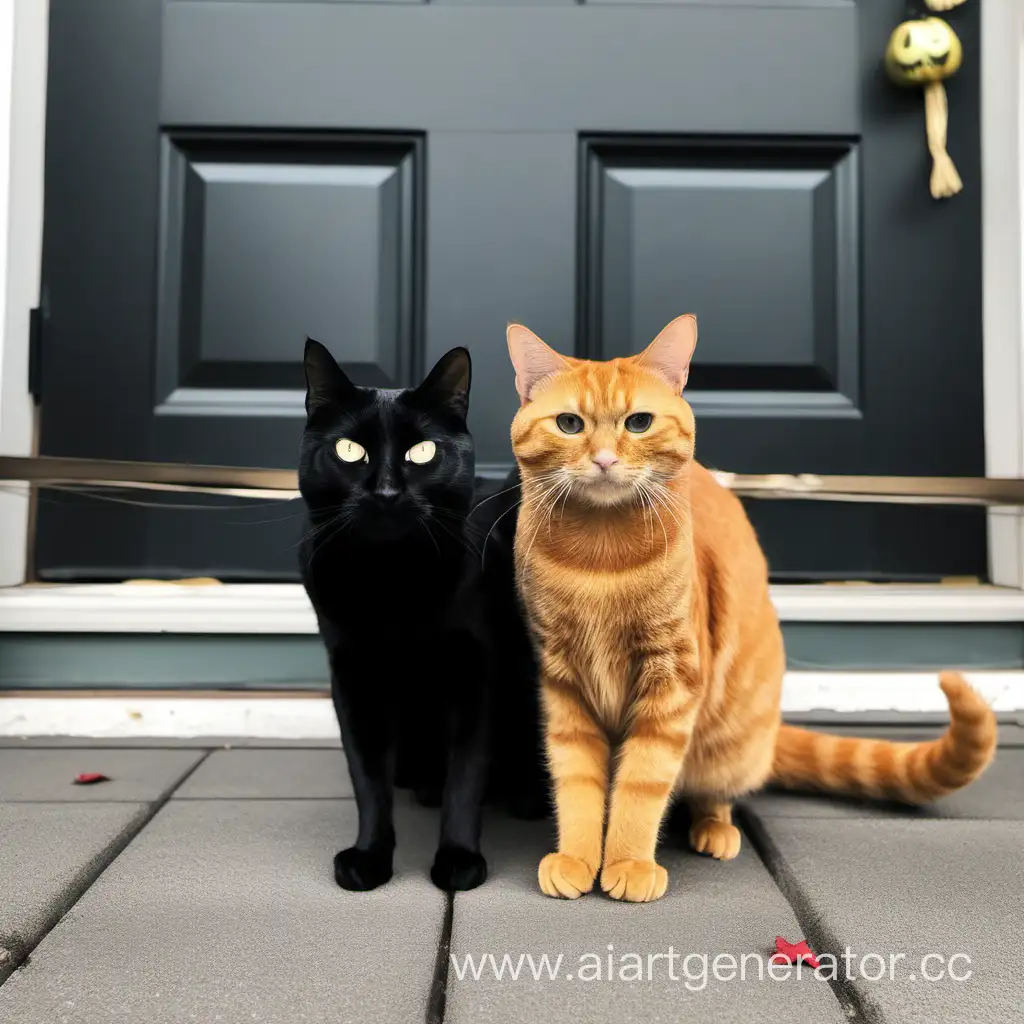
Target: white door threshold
(311, 716)
(282, 608)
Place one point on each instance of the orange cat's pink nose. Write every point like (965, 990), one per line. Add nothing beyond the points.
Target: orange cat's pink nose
(605, 458)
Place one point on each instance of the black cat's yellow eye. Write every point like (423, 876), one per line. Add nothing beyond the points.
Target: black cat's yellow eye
(638, 422)
(569, 422)
(421, 453)
(349, 451)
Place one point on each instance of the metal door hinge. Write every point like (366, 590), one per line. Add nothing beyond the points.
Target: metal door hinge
(35, 353)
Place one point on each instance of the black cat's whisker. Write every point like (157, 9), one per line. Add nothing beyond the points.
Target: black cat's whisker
(459, 517)
(422, 522)
(465, 530)
(459, 538)
(543, 479)
(332, 510)
(326, 541)
(511, 508)
(282, 519)
(319, 528)
(475, 529)
(346, 521)
(290, 515)
(340, 519)
(470, 549)
(491, 497)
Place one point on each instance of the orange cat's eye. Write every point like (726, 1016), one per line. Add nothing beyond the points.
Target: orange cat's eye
(638, 422)
(569, 422)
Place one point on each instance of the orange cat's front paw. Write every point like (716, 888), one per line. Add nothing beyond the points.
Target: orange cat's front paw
(565, 876)
(717, 839)
(637, 881)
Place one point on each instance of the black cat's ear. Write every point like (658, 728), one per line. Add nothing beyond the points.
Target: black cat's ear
(326, 383)
(448, 382)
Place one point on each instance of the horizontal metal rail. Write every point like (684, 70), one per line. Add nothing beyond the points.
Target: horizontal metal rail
(242, 482)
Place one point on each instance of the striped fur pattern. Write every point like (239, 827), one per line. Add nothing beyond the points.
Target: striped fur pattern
(660, 653)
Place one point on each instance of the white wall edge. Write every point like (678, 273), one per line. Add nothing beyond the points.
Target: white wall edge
(1002, 190)
(313, 718)
(283, 608)
(24, 26)
(852, 603)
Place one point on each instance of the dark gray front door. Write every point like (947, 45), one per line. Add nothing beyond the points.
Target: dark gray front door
(224, 178)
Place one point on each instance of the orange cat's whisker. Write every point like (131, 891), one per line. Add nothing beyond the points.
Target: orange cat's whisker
(661, 522)
(541, 519)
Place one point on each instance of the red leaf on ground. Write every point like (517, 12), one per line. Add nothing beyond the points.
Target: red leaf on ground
(791, 952)
(90, 778)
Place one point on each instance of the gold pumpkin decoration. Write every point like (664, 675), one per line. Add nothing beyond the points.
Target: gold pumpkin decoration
(924, 52)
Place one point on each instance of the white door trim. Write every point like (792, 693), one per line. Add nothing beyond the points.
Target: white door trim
(280, 609)
(1002, 184)
(23, 51)
(23, 42)
(311, 716)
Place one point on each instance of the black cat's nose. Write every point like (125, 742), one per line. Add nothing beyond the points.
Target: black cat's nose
(387, 496)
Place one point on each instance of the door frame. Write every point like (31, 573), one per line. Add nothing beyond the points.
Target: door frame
(1002, 163)
(23, 59)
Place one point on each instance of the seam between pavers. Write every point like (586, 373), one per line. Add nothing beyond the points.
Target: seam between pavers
(78, 803)
(27, 744)
(139, 743)
(438, 996)
(855, 1004)
(875, 817)
(21, 948)
(237, 798)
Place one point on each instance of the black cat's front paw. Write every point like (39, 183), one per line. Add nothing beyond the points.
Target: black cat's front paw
(457, 869)
(359, 870)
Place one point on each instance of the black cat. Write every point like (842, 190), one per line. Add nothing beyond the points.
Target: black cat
(392, 570)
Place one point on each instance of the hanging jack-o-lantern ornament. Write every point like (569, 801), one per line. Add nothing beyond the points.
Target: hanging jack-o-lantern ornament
(924, 52)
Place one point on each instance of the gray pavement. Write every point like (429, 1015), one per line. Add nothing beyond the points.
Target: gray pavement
(197, 885)
(269, 774)
(135, 775)
(711, 909)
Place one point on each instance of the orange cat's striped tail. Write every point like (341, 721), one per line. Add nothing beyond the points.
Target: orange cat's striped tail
(909, 772)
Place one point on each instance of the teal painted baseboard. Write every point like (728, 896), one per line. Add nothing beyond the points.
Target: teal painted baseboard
(158, 661)
(161, 661)
(903, 646)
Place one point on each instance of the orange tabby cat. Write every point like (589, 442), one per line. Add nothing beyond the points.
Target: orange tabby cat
(660, 653)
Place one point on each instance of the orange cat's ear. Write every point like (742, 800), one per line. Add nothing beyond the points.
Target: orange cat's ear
(670, 353)
(532, 358)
